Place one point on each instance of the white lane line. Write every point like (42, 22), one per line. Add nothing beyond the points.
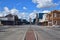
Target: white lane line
(25, 34)
(36, 36)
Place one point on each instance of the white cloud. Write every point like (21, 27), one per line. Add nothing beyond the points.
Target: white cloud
(19, 15)
(23, 15)
(1, 14)
(46, 11)
(6, 9)
(14, 11)
(24, 8)
(32, 15)
(44, 3)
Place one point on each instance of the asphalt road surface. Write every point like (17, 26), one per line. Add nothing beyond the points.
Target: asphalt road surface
(19, 32)
(44, 33)
(13, 32)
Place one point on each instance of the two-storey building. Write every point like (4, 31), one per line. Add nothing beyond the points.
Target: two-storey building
(53, 18)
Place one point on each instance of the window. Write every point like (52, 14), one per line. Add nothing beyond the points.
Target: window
(54, 14)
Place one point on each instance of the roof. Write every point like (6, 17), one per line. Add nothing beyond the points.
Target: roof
(55, 11)
(9, 15)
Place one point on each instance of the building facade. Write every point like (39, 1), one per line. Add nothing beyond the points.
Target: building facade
(53, 18)
(10, 20)
(42, 19)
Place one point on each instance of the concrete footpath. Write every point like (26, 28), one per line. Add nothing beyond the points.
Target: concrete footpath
(30, 35)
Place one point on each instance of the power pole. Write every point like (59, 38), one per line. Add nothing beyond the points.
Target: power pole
(30, 22)
(36, 18)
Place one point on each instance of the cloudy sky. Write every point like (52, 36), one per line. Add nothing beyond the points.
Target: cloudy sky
(27, 8)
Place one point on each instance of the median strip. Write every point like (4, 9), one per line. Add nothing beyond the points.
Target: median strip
(30, 35)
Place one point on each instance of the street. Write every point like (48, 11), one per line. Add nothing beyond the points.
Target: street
(19, 32)
(43, 33)
(13, 33)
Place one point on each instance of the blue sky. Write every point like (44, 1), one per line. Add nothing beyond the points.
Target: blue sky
(19, 4)
(28, 6)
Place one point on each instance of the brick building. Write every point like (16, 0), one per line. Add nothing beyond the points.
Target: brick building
(53, 18)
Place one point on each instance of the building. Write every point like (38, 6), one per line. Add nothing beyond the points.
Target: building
(10, 20)
(42, 19)
(7, 20)
(38, 17)
(53, 18)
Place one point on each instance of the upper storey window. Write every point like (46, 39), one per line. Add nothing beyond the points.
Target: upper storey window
(55, 15)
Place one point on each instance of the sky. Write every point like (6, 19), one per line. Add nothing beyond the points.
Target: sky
(28, 8)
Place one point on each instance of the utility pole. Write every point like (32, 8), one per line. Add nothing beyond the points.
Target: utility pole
(36, 18)
(30, 22)
(13, 20)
